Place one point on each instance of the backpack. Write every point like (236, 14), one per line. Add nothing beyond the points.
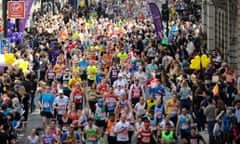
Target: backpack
(226, 123)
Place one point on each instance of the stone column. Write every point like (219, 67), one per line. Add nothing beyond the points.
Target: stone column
(204, 16)
(210, 25)
(237, 31)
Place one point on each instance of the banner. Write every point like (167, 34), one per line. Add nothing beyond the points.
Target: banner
(4, 45)
(16, 9)
(1, 18)
(22, 22)
(156, 19)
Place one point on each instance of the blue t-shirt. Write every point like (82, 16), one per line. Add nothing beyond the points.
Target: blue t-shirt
(83, 65)
(99, 77)
(157, 90)
(47, 101)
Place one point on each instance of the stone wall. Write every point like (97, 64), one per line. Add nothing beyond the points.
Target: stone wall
(221, 20)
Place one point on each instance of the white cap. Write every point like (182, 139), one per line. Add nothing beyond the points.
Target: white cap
(120, 75)
(60, 91)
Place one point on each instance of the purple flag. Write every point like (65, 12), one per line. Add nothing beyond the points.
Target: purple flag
(156, 19)
(22, 22)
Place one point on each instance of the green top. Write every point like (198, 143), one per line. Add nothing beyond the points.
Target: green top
(100, 113)
(169, 137)
(91, 92)
(91, 134)
(139, 61)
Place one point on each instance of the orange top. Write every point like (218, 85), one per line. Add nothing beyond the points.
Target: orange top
(107, 58)
(110, 127)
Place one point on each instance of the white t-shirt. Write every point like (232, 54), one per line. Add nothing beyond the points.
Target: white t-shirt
(140, 109)
(141, 76)
(138, 125)
(119, 92)
(163, 124)
(122, 136)
(122, 83)
(62, 104)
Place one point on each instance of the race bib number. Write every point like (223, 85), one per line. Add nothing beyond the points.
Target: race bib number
(92, 138)
(124, 135)
(146, 139)
(50, 75)
(78, 99)
(141, 111)
(194, 141)
(65, 84)
(65, 128)
(185, 125)
(136, 93)
(101, 114)
(174, 110)
(112, 131)
(62, 107)
(46, 105)
(153, 128)
(110, 104)
(114, 72)
(92, 96)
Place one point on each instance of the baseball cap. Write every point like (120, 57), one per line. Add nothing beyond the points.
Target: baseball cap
(60, 91)
(100, 101)
(146, 123)
(120, 75)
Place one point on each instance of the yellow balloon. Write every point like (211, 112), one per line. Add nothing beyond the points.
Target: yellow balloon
(9, 58)
(23, 65)
(82, 4)
(195, 63)
(205, 61)
(25, 72)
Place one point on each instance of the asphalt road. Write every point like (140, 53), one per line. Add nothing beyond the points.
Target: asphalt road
(33, 122)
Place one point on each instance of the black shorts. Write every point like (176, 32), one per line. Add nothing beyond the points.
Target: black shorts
(46, 114)
(90, 82)
(83, 76)
(78, 106)
(101, 123)
(135, 101)
(185, 135)
(68, 56)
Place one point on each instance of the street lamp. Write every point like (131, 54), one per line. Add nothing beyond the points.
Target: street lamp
(5, 19)
(165, 15)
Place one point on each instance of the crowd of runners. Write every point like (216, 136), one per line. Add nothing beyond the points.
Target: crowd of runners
(99, 75)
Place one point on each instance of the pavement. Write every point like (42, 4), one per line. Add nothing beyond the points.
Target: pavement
(34, 121)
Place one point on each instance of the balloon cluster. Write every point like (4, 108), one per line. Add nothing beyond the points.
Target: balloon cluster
(14, 36)
(198, 61)
(9, 59)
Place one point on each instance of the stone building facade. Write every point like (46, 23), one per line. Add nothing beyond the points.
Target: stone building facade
(221, 22)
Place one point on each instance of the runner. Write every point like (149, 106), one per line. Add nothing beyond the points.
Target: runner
(91, 132)
(45, 103)
(111, 123)
(168, 136)
(136, 91)
(121, 129)
(48, 138)
(71, 136)
(146, 135)
(77, 96)
(60, 104)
